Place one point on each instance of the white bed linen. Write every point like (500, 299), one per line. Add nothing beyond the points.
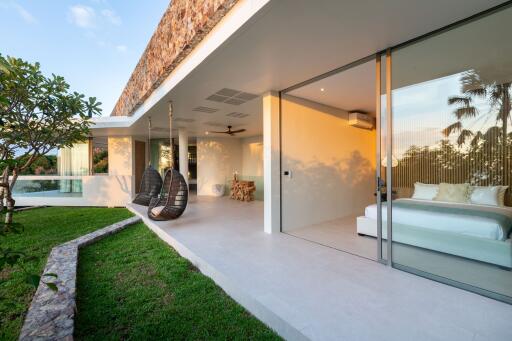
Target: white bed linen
(482, 227)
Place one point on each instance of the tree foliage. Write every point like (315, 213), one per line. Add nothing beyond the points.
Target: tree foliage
(497, 96)
(479, 155)
(37, 114)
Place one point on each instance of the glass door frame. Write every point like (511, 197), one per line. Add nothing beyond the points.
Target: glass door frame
(381, 183)
(376, 57)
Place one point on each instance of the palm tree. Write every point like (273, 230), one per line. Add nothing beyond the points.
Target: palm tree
(492, 147)
(497, 95)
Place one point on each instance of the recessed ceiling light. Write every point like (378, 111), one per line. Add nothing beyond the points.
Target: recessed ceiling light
(206, 132)
(322, 89)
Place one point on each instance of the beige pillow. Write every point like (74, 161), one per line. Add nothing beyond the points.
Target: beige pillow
(501, 195)
(453, 192)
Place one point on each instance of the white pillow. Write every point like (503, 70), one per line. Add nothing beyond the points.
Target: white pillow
(425, 191)
(482, 195)
(501, 193)
(157, 210)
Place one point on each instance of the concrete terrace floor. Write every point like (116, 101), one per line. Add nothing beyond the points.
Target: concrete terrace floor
(305, 290)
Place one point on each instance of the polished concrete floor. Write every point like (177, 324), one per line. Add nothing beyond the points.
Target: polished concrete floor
(340, 234)
(305, 290)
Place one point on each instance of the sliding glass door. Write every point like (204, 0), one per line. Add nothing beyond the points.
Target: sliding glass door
(405, 157)
(449, 164)
(328, 159)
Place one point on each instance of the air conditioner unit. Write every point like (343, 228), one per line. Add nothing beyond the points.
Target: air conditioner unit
(360, 120)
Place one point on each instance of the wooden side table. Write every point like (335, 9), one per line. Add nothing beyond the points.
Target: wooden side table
(242, 190)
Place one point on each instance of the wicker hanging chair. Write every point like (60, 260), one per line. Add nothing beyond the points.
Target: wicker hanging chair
(151, 182)
(174, 196)
(150, 187)
(173, 200)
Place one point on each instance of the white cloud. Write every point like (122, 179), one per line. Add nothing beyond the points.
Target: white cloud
(24, 14)
(111, 16)
(82, 16)
(121, 48)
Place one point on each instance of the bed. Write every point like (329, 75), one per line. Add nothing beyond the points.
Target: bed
(478, 232)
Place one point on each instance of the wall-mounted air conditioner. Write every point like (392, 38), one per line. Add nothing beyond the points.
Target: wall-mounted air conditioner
(360, 120)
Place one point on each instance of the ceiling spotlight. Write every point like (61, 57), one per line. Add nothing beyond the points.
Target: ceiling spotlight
(206, 132)
(322, 89)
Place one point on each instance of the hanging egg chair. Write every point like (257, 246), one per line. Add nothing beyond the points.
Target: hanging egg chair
(150, 187)
(173, 199)
(151, 182)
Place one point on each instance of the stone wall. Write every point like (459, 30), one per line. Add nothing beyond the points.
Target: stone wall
(51, 315)
(184, 24)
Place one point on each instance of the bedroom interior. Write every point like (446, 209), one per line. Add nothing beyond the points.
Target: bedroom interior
(331, 175)
(452, 129)
(450, 167)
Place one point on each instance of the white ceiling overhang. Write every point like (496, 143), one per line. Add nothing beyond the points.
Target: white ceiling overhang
(279, 44)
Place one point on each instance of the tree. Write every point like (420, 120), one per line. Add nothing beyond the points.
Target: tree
(493, 145)
(495, 94)
(37, 114)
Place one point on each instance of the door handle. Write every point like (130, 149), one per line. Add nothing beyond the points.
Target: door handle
(380, 184)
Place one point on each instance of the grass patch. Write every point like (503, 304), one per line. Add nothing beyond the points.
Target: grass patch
(132, 285)
(44, 228)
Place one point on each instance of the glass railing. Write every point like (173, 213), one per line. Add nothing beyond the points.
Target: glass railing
(48, 186)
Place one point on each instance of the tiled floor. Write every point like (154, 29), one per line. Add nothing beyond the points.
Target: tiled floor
(305, 290)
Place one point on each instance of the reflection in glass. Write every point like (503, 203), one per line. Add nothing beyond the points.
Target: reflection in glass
(48, 188)
(73, 161)
(452, 139)
(100, 155)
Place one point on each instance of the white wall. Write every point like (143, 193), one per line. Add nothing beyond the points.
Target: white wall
(252, 163)
(120, 156)
(217, 159)
(332, 164)
(252, 156)
(114, 189)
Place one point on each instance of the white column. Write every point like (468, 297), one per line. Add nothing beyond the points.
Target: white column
(183, 145)
(271, 165)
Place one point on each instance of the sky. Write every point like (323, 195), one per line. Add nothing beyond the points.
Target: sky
(93, 44)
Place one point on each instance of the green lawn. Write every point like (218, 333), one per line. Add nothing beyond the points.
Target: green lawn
(134, 286)
(44, 228)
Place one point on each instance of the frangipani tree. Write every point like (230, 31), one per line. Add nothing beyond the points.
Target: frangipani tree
(37, 115)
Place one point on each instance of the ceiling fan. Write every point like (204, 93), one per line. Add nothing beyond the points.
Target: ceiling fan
(229, 131)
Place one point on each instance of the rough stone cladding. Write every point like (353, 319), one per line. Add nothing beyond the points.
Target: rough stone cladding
(184, 24)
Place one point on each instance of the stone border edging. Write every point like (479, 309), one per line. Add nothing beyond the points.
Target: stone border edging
(51, 314)
(21, 209)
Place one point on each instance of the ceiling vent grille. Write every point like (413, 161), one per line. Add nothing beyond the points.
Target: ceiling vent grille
(205, 109)
(231, 96)
(237, 114)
